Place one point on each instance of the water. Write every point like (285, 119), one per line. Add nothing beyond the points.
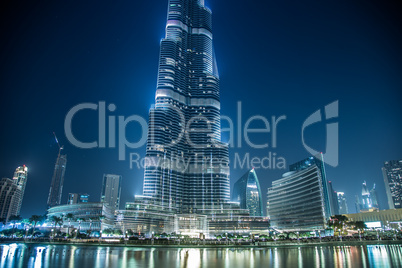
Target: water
(21, 255)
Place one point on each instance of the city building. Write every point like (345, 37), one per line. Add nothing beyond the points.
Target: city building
(389, 218)
(333, 199)
(392, 173)
(12, 193)
(111, 189)
(56, 186)
(342, 204)
(247, 192)
(20, 179)
(86, 216)
(186, 165)
(300, 199)
(368, 201)
(75, 198)
(9, 198)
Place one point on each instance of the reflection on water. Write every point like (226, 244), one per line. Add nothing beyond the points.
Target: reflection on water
(21, 255)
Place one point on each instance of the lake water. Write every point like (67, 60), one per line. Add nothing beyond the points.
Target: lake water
(36, 255)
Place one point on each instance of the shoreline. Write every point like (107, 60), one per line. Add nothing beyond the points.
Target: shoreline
(261, 245)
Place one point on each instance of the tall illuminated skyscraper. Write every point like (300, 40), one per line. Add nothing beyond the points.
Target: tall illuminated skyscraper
(56, 186)
(20, 179)
(392, 173)
(343, 207)
(247, 192)
(186, 167)
(12, 193)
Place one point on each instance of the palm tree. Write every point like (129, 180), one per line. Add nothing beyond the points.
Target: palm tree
(57, 221)
(79, 225)
(70, 217)
(14, 219)
(3, 221)
(35, 219)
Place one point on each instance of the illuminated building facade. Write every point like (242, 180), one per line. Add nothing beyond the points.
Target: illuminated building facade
(186, 167)
(111, 190)
(299, 201)
(247, 192)
(343, 207)
(56, 186)
(75, 198)
(392, 173)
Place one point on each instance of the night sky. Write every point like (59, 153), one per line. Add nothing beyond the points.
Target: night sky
(277, 57)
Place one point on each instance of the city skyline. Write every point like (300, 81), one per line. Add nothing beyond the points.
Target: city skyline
(327, 68)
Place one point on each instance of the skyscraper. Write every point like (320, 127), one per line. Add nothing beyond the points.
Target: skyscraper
(392, 173)
(368, 200)
(20, 179)
(111, 189)
(343, 207)
(12, 193)
(298, 200)
(247, 192)
(186, 167)
(56, 186)
(334, 199)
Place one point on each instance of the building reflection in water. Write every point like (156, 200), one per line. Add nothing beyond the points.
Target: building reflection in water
(63, 256)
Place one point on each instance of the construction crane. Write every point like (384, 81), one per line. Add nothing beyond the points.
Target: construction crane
(57, 141)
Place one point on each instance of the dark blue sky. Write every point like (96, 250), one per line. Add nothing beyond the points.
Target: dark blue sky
(276, 57)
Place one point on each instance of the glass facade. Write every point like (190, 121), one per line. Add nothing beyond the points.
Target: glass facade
(247, 192)
(298, 200)
(111, 189)
(392, 173)
(343, 207)
(186, 166)
(56, 186)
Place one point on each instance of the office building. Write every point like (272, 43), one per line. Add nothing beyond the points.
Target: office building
(111, 189)
(333, 199)
(56, 186)
(343, 207)
(247, 192)
(392, 173)
(300, 200)
(368, 201)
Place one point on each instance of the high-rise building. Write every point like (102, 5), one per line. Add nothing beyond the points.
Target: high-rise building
(20, 179)
(56, 186)
(392, 173)
(12, 193)
(111, 189)
(368, 201)
(247, 192)
(75, 198)
(299, 200)
(374, 198)
(334, 199)
(9, 198)
(343, 207)
(186, 167)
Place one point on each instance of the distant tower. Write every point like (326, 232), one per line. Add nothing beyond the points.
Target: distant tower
(374, 198)
(392, 173)
(343, 207)
(75, 198)
(20, 179)
(111, 189)
(56, 187)
(366, 200)
(247, 191)
(12, 193)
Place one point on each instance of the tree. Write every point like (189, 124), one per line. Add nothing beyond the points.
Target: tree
(70, 217)
(3, 221)
(79, 225)
(14, 219)
(57, 221)
(360, 225)
(34, 219)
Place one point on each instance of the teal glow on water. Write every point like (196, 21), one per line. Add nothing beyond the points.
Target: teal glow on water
(21, 255)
